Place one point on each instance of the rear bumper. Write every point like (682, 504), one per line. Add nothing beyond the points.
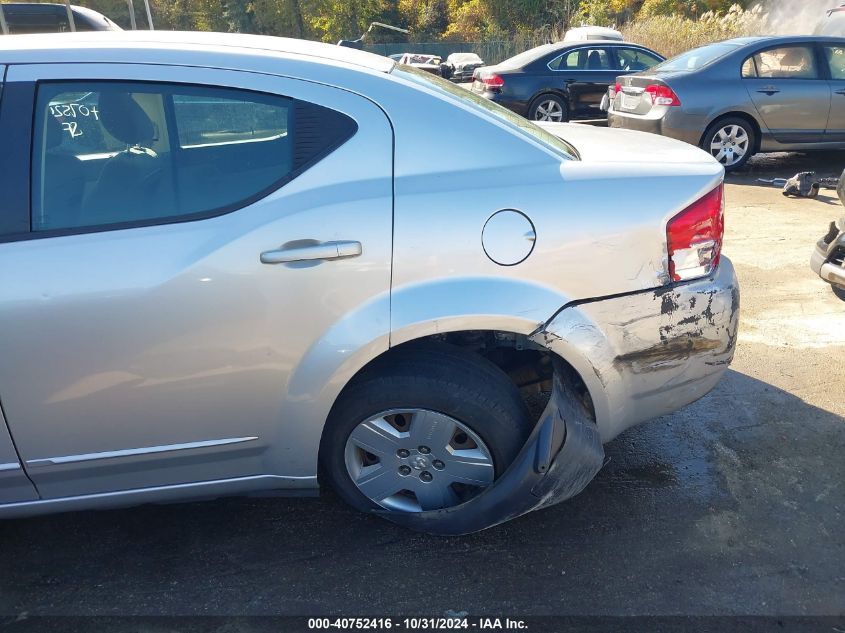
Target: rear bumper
(514, 105)
(666, 121)
(649, 353)
(641, 355)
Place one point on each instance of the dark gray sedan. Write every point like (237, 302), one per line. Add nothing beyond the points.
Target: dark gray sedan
(742, 96)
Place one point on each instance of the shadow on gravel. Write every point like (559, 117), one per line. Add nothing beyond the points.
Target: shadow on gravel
(731, 506)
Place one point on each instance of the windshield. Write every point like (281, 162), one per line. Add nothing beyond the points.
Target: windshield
(514, 120)
(696, 58)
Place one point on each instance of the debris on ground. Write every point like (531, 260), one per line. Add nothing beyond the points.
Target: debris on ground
(804, 184)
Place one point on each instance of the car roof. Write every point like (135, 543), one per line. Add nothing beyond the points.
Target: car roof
(779, 39)
(533, 54)
(123, 46)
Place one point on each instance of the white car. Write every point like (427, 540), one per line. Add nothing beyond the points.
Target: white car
(234, 264)
(592, 33)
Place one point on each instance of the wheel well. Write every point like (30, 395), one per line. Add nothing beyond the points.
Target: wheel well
(549, 93)
(527, 364)
(737, 115)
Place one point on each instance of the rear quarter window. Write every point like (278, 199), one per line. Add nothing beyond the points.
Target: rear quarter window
(520, 124)
(120, 154)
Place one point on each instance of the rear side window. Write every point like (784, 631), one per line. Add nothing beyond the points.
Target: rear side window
(788, 62)
(635, 59)
(109, 154)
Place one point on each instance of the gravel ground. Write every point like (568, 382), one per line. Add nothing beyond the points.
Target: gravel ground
(731, 506)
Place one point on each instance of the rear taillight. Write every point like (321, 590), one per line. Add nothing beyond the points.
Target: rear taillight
(694, 237)
(492, 80)
(662, 95)
(617, 88)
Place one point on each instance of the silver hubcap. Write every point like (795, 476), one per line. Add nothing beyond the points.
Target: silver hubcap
(548, 111)
(730, 145)
(412, 460)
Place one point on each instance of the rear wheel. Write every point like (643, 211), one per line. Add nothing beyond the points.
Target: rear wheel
(423, 430)
(730, 141)
(549, 108)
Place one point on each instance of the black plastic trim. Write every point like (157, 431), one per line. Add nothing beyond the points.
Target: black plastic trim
(16, 107)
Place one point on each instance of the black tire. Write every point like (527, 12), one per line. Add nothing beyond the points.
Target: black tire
(720, 124)
(445, 379)
(544, 99)
(839, 292)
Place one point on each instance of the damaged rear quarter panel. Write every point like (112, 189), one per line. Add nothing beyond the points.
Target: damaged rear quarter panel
(649, 353)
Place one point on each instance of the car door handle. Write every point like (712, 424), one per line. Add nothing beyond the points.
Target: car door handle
(769, 91)
(324, 251)
(841, 92)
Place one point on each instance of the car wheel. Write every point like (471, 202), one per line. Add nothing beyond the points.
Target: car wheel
(549, 108)
(839, 292)
(730, 141)
(423, 430)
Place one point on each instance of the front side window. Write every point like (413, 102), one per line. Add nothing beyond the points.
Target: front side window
(634, 59)
(109, 153)
(789, 62)
(835, 56)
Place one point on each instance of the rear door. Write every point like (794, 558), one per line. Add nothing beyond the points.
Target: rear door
(584, 73)
(834, 56)
(155, 309)
(788, 87)
(14, 485)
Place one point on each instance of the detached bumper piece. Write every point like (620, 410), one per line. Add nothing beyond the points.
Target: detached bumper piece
(562, 455)
(828, 259)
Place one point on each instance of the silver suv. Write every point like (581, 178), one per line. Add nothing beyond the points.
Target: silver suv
(233, 264)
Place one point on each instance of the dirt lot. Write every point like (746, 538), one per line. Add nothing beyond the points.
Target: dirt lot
(732, 506)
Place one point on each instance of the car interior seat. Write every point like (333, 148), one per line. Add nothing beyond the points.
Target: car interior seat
(133, 184)
(594, 61)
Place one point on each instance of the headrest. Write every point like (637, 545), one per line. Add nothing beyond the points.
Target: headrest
(124, 119)
(53, 131)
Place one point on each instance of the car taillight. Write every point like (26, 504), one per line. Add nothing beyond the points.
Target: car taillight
(617, 88)
(662, 95)
(492, 80)
(694, 237)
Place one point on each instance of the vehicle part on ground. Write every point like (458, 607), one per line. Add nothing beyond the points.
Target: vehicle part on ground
(549, 108)
(422, 430)
(828, 258)
(802, 185)
(730, 141)
(840, 189)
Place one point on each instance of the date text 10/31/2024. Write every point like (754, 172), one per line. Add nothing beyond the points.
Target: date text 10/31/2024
(418, 624)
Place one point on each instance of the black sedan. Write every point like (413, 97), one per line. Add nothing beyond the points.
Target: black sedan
(562, 81)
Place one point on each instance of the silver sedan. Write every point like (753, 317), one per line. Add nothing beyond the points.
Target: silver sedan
(234, 264)
(741, 96)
